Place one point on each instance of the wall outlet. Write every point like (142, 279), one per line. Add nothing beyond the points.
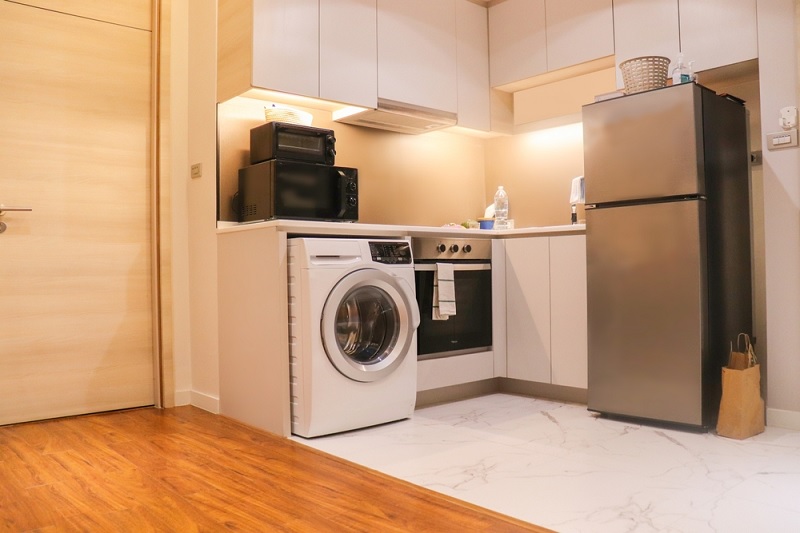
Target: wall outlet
(197, 170)
(784, 139)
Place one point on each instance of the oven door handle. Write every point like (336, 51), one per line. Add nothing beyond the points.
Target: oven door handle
(411, 300)
(456, 266)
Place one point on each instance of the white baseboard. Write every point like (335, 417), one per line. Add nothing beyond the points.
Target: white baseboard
(783, 419)
(198, 399)
(205, 402)
(182, 397)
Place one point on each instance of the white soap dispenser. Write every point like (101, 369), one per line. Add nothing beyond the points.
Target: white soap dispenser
(681, 73)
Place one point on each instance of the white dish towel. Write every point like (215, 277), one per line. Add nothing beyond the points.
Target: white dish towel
(444, 292)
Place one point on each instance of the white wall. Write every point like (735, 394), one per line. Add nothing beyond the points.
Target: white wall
(201, 198)
(179, 212)
(777, 44)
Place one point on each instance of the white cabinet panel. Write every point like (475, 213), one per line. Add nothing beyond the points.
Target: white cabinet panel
(718, 32)
(348, 51)
(517, 41)
(472, 34)
(417, 53)
(578, 31)
(528, 309)
(286, 46)
(568, 342)
(456, 370)
(645, 28)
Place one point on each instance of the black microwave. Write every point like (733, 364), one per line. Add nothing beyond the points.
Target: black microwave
(282, 140)
(297, 190)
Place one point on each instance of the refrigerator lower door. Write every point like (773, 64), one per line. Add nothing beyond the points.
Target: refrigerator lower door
(647, 310)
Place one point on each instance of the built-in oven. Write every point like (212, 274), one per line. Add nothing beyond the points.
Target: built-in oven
(469, 330)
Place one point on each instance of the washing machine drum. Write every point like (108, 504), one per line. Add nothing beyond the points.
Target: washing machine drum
(366, 324)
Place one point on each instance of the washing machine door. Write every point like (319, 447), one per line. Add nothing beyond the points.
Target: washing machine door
(368, 324)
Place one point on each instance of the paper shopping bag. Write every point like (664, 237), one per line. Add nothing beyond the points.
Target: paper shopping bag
(744, 356)
(741, 410)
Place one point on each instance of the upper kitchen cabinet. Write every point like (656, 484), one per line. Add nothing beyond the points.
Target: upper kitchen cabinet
(348, 52)
(286, 46)
(473, 66)
(417, 53)
(317, 48)
(532, 37)
(517, 41)
(715, 33)
(669, 27)
(645, 28)
(578, 31)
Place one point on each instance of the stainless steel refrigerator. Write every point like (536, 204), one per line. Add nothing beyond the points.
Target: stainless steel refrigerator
(668, 250)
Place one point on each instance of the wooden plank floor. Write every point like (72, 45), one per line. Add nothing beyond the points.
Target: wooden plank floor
(184, 469)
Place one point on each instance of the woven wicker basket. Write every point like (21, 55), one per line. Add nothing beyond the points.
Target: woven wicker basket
(644, 73)
(279, 113)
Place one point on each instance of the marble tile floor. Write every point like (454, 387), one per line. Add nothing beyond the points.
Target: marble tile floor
(559, 466)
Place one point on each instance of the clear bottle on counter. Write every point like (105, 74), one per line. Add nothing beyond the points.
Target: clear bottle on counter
(501, 208)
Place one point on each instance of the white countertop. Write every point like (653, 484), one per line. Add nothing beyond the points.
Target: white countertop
(308, 227)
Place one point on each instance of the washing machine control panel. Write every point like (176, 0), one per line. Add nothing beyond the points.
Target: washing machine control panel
(391, 252)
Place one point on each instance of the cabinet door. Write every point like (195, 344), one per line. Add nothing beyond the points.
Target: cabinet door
(528, 309)
(645, 28)
(286, 46)
(568, 325)
(417, 53)
(517, 42)
(473, 66)
(578, 31)
(718, 32)
(348, 51)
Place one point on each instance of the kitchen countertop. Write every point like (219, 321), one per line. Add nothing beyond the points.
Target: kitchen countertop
(308, 227)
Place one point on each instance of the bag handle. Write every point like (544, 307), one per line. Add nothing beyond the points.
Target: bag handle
(752, 360)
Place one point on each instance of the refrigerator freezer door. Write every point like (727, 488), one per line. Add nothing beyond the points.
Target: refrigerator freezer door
(646, 145)
(647, 310)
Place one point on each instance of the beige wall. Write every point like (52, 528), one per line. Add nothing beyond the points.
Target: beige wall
(428, 180)
(536, 169)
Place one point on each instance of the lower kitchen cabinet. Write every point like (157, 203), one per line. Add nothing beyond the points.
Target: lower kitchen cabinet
(528, 309)
(546, 339)
(568, 327)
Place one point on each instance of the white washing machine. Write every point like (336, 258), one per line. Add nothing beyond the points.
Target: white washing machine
(352, 333)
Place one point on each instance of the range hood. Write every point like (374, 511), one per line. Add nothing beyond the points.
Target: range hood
(397, 116)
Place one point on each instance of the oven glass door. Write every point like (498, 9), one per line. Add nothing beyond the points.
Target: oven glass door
(470, 329)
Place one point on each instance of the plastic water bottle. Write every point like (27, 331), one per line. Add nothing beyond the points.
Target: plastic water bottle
(500, 209)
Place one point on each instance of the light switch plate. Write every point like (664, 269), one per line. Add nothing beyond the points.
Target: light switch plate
(780, 140)
(197, 170)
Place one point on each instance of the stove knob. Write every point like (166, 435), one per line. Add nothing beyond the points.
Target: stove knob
(441, 248)
(467, 248)
(454, 248)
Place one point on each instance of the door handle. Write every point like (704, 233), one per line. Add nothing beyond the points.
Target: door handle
(3, 209)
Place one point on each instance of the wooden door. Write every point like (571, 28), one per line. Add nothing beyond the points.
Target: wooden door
(76, 331)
